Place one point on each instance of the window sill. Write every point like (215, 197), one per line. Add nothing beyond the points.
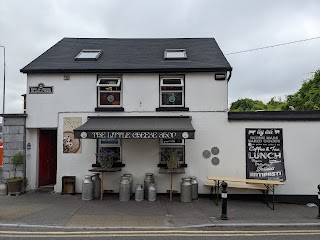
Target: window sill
(113, 109)
(115, 165)
(164, 165)
(172, 109)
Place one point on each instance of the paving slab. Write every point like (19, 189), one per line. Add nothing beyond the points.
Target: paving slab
(52, 209)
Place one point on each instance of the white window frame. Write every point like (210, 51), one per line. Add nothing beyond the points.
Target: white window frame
(177, 51)
(110, 85)
(98, 51)
(162, 84)
(182, 145)
(111, 145)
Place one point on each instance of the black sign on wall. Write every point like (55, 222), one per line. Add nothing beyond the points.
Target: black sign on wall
(264, 150)
(41, 89)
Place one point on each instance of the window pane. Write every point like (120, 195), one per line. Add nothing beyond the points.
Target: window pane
(109, 141)
(172, 140)
(109, 98)
(180, 54)
(171, 88)
(171, 81)
(114, 152)
(88, 55)
(172, 98)
(165, 153)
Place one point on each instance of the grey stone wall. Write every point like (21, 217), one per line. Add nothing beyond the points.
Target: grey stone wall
(14, 141)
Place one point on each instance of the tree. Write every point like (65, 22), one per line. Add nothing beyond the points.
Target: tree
(306, 98)
(247, 105)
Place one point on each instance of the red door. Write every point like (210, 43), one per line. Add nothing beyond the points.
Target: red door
(47, 157)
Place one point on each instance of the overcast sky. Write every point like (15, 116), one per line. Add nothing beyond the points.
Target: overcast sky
(28, 28)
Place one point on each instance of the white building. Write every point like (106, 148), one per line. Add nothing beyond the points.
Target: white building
(140, 97)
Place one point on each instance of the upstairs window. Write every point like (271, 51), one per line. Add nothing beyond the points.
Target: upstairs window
(175, 54)
(109, 92)
(171, 92)
(89, 54)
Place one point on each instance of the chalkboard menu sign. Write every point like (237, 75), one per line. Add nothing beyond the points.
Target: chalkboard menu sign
(264, 149)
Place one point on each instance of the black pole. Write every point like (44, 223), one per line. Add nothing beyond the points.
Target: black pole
(224, 197)
(318, 201)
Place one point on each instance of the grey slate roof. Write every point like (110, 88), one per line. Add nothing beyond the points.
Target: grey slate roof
(130, 55)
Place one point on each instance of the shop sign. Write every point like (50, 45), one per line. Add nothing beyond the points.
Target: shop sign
(41, 89)
(134, 135)
(264, 150)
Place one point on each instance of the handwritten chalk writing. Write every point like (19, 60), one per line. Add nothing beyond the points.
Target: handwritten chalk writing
(264, 150)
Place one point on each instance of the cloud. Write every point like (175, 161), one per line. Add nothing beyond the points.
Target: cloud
(28, 28)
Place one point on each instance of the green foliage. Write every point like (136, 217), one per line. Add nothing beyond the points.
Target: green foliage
(17, 159)
(247, 105)
(172, 159)
(306, 98)
(14, 179)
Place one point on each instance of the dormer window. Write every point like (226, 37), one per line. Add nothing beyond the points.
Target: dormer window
(175, 54)
(89, 54)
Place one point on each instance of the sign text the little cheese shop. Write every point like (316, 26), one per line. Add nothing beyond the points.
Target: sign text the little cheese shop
(128, 135)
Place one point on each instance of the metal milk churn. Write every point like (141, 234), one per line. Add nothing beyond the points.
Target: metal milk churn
(194, 187)
(97, 185)
(152, 192)
(87, 188)
(149, 179)
(124, 191)
(3, 188)
(186, 195)
(139, 194)
(131, 182)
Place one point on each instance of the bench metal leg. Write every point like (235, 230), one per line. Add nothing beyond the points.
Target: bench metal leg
(270, 188)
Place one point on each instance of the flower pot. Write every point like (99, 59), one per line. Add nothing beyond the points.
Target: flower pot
(14, 188)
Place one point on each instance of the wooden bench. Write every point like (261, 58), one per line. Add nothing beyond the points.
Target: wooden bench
(256, 184)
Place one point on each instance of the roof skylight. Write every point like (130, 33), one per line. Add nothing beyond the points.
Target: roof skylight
(89, 54)
(175, 54)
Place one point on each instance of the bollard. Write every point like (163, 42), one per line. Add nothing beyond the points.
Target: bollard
(318, 201)
(224, 197)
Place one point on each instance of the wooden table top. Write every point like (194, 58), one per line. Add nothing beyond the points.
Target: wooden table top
(258, 181)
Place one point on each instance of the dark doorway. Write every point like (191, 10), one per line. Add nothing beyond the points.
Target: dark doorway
(47, 157)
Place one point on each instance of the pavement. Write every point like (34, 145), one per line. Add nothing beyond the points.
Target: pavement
(53, 210)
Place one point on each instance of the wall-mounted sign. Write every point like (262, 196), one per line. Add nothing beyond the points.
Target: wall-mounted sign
(220, 76)
(133, 135)
(41, 89)
(70, 143)
(264, 149)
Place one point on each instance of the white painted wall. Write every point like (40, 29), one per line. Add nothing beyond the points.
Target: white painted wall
(32, 158)
(207, 100)
(214, 130)
(140, 94)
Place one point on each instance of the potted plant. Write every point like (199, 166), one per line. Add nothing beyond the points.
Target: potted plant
(172, 159)
(15, 183)
(106, 157)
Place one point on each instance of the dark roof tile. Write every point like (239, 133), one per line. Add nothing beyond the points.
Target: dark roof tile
(130, 55)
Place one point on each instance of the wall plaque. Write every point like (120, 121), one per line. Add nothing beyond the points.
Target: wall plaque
(264, 149)
(41, 89)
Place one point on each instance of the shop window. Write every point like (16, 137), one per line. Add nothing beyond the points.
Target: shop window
(110, 148)
(109, 92)
(169, 147)
(171, 92)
